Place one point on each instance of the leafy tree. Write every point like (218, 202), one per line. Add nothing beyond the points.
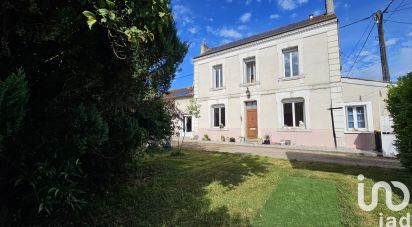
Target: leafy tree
(96, 72)
(400, 106)
(13, 100)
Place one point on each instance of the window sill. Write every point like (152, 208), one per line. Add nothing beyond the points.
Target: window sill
(301, 76)
(359, 132)
(294, 130)
(249, 84)
(217, 129)
(217, 89)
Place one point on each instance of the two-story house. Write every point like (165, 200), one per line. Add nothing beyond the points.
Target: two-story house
(286, 83)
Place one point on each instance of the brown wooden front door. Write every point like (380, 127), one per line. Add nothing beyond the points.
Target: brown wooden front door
(251, 121)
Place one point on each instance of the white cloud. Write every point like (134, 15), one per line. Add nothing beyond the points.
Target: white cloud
(293, 15)
(274, 16)
(402, 62)
(182, 14)
(210, 29)
(229, 33)
(290, 4)
(317, 12)
(287, 4)
(346, 6)
(229, 1)
(391, 41)
(224, 41)
(337, 4)
(247, 2)
(242, 27)
(410, 34)
(193, 30)
(246, 17)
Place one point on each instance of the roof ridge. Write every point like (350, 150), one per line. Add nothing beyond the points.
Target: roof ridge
(269, 33)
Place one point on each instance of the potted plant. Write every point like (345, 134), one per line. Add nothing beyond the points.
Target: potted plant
(267, 139)
(242, 139)
(222, 138)
(205, 137)
(232, 139)
(260, 141)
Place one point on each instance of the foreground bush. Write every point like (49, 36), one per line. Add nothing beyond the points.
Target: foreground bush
(85, 103)
(400, 106)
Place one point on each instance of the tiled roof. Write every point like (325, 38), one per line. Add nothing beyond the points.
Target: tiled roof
(264, 35)
(181, 92)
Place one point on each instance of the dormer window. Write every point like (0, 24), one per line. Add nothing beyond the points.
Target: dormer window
(291, 62)
(250, 71)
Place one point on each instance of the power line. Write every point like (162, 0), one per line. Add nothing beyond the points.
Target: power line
(355, 22)
(360, 51)
(179, 77)
(392, 11)
(396, 9)
(357, 43)
(399, 22)
(390, 3)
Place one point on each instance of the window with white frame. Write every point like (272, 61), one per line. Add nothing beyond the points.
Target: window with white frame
(187, 123)
(291, 62)
(250, 70)
(294, 112)
(356, 117)
(217, 76)
(218, 116)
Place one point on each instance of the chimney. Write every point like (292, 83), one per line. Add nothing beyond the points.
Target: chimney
(203, 47)
(330, 9)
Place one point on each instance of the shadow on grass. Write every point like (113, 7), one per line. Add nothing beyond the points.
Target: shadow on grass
(173, 191)
(374, 173)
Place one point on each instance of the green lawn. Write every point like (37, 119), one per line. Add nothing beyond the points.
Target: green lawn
(215, 189)
(301, 201)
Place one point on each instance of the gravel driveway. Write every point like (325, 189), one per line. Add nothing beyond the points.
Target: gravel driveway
(344, 158)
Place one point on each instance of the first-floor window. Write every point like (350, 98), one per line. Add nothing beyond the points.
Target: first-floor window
(356, 117)
(217, 76)
(218, 112)
(250, 70)
(294, 113)
(291, 62)
(187, 124)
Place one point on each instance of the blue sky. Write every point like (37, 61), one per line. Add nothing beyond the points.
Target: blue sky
(221, 21)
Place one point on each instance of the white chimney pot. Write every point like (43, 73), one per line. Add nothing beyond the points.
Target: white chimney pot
(330, 8)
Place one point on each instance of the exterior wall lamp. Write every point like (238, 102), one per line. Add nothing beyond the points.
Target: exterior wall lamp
(247, 93)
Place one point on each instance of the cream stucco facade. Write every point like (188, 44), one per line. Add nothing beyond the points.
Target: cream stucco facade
(318, 85)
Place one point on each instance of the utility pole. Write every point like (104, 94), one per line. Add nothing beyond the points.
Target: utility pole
(333, 122)
(382, 46)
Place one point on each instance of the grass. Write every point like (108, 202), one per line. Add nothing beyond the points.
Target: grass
(300, 201)
(219, 189)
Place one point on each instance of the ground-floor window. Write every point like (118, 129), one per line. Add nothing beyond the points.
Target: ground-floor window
(187, 123)
(218, 116)
(356, 117)
(293, 113)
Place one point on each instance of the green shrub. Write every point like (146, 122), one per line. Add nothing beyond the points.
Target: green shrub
(400, 106)
(14, 95)
(96, 101)
(176, 153)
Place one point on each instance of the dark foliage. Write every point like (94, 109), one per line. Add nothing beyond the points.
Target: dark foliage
(72, 113)
(400, 106)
